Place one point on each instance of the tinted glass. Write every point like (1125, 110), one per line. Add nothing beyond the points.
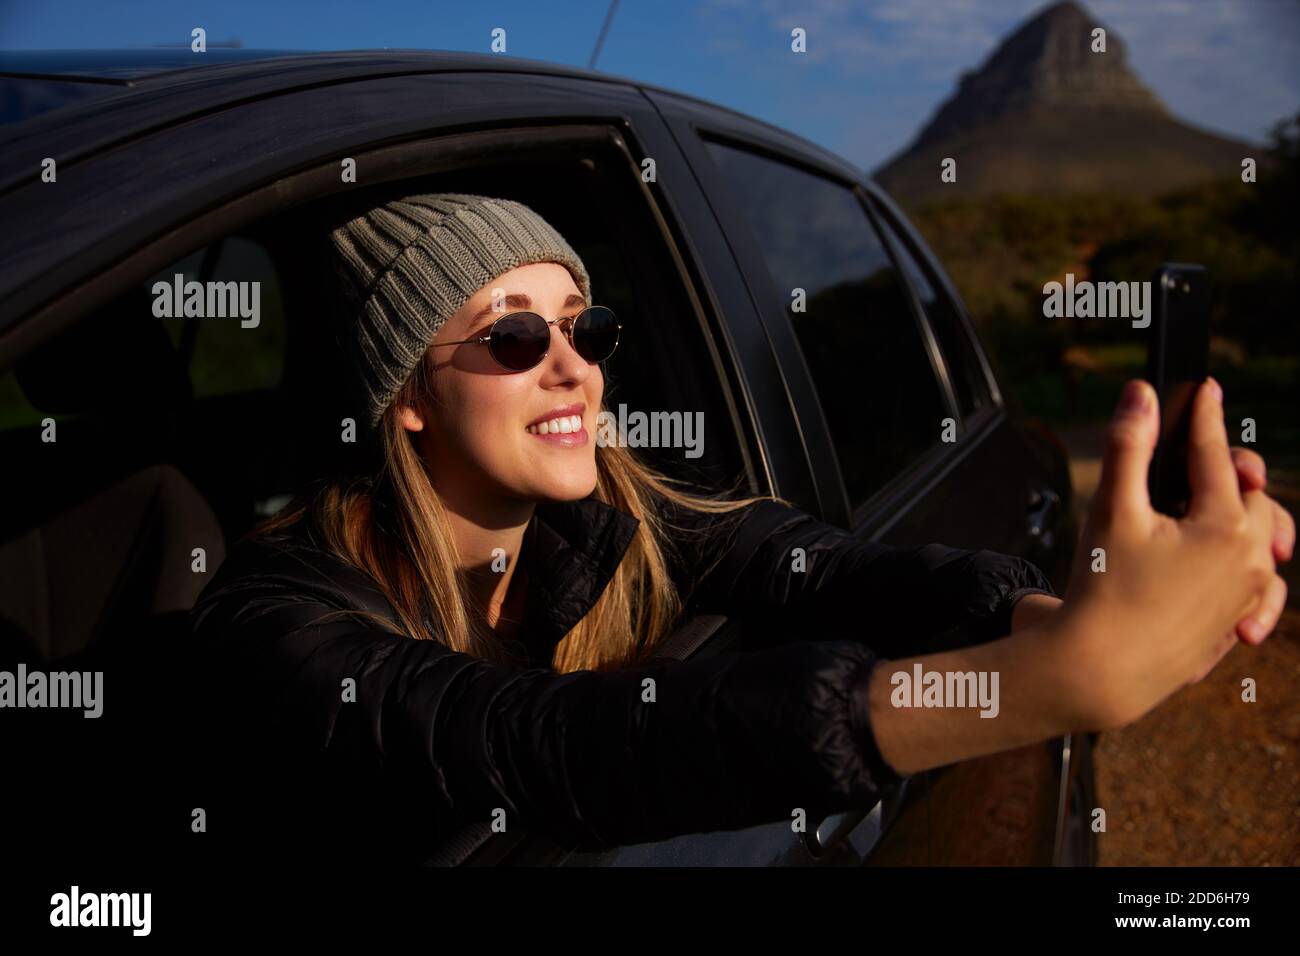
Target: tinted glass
(963, 365)
(228, 354)
(858, 334)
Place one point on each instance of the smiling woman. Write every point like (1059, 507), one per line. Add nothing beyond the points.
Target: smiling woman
(465, 631)
(472, 428)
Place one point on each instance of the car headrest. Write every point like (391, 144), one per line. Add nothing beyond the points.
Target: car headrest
(118, 357)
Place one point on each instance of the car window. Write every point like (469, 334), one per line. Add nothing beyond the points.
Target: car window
(222, 354)
(859, 336)
(239, 352)
(967, 377)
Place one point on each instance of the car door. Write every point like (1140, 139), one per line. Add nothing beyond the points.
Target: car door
(916, 441)
(1008, 808)
(894, 831)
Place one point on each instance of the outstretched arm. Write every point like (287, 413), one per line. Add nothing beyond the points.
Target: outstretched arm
(799, 578)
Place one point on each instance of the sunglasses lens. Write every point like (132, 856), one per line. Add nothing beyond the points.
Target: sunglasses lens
(520, 340)
(595, 334)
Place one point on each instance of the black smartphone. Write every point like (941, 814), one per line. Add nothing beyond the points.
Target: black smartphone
(1178, 359)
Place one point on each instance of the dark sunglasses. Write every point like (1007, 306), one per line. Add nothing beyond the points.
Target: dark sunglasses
(519, 341)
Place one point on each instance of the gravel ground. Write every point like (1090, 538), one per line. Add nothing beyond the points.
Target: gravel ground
(1206, 779)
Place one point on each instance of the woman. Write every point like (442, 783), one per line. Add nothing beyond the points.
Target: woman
(464, 633)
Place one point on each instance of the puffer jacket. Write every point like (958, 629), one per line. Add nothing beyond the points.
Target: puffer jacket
(435, 739)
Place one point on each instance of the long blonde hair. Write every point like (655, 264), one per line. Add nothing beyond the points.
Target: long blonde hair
(393, 526)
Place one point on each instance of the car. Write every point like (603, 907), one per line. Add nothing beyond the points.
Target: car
(760, 279)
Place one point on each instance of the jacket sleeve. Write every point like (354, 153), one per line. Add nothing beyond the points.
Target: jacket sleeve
(723, 743)
(797, 577)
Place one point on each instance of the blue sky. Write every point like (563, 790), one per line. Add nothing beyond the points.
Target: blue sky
(874, 72)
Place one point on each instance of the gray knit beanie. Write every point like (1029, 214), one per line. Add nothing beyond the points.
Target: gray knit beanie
(410, 264)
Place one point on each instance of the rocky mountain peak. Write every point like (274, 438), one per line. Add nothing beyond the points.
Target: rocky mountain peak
(1048, 63)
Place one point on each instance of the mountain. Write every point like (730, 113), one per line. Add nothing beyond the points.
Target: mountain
(1044, 114)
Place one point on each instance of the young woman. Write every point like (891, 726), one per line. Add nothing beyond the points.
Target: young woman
(463, 634)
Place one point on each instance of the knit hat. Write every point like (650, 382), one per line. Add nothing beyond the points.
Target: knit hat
(410, 264)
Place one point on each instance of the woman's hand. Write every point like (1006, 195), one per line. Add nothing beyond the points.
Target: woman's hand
(1252, 475)
(1175, 594)
(1171, 601)
(1034, 610)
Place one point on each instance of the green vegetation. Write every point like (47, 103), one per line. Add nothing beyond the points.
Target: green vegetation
(1001, 250)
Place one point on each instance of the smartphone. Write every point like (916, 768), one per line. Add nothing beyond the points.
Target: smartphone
(1178, 359)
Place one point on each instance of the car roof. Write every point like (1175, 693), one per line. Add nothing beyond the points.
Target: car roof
(45, 92)
(121, 66)
(137, 96)
(155, 70)
(36, 83)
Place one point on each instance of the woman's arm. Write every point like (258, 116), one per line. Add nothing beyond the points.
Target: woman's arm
(1175, 596)
(1035, 700)
(796, 577)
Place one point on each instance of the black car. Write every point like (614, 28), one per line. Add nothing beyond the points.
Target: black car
(760, 280)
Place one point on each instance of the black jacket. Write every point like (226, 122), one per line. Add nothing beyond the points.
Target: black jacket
(436, 739)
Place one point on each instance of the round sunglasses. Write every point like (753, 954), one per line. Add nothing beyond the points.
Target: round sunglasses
(519, 341)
